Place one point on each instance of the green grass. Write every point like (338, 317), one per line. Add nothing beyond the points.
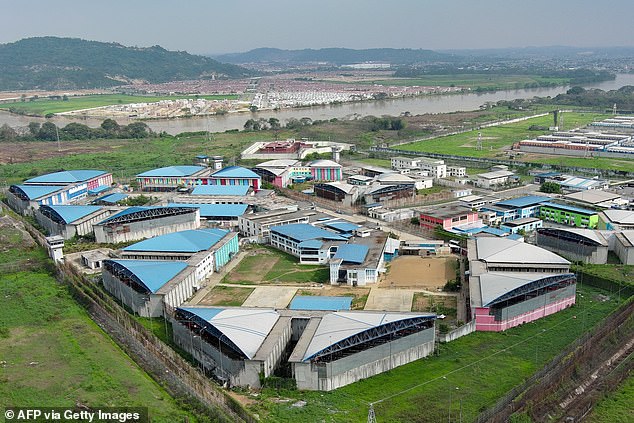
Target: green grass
(497, 140)
(288, 270)
(617, 406)
(45, 105)
(228, 296)
(484, 366)
(490, 82)
(378, 162)
(618, 273)
(126, 158)
(57, 356)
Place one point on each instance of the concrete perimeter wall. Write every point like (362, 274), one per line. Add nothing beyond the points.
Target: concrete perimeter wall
(364, 364)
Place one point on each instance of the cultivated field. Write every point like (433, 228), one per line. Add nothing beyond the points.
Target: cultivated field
(489, 82)
(430, 273)
(44, 106)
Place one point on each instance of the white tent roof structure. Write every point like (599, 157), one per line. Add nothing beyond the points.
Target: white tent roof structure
(246, 328)
(493, 285)
(501, 250)
(337, 326)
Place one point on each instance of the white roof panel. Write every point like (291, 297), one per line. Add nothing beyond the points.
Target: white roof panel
(502, 250)
(245, 327)
(495, 284)
(620, 216)
(335, 327)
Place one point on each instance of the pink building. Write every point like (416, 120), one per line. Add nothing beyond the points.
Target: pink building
(448, 217)
(512, 283)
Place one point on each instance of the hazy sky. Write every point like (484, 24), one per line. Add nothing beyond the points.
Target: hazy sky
(239, 25)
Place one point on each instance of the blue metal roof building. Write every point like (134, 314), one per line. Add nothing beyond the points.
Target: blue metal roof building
(342, 226)
(314, 302)
(111, 198)
(235, 172)
(191, 241)
(352, 253)
(172, 171)
(303, 232)
(216, 211)
(150, 275)
(66, 177)
(529, 200)
(34, 192)
(221, 190)
(567, 207)
(66, 214)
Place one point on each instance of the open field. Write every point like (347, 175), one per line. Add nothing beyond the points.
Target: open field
(483, 366)
(266, 265)
(618, 406)
(226, 296)
(446, 305)
(124, 158)
(619, 273)
(431, 273)
(360, 295)
(497, 139)
(474, 81)
(54, 355)
(45, 105)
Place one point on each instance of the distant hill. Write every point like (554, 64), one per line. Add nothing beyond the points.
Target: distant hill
(337, 56)
(72, 63)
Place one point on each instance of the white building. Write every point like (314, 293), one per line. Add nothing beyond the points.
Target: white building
(490, 179)
(457, 171)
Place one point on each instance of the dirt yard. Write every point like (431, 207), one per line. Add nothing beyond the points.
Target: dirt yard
(430, 273)
(436, 304)
(226, 296)
(253, 267)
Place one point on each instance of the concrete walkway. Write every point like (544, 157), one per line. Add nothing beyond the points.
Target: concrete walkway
(390, 299)
(270, 296)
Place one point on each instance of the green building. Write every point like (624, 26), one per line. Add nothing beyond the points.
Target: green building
(569, 215)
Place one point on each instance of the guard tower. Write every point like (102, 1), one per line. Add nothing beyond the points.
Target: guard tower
(54, 245)
(216, 162)
(336, 153)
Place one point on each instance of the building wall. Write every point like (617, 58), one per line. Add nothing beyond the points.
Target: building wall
(80, 227)
(145, 305)
(180, 292)
(488, 183)
(237, 372)
(527, 227)
(570, 218)
(123, 232)
(326, 173)
(573, 251)
(224, 253)
(623, 250)
(364, 364)
(527, 311)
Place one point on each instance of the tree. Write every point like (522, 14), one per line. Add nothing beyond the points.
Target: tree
(110, 125)
(274, 123)
(7, 133)
(138, 130)
(47, 132)
(34, 128)
(76, 131)
(415, 221)
(550, 188)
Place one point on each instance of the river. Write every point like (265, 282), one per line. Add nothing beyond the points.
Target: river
(414, 105)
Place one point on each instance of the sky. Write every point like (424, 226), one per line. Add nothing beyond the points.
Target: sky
(214, 27)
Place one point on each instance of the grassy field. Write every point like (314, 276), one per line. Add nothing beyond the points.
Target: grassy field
(226, 296)
(45, 105)
(617, 406)
(55, 354)
(489, 82)
(497, 140)
(483, 366)
(620, 273)
(124, 158)
(268, 265)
